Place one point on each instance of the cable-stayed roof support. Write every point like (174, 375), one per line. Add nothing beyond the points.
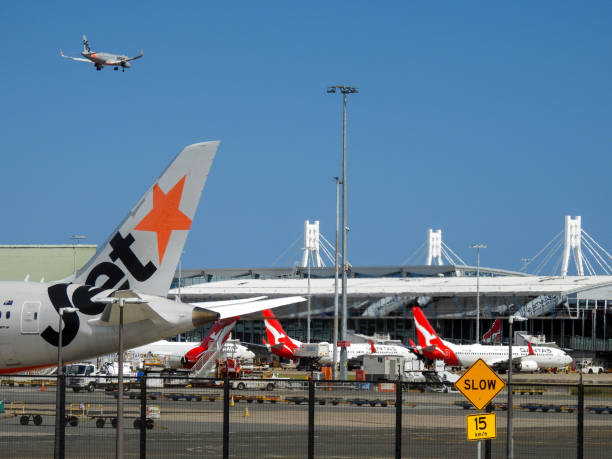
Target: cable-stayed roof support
(573, 236)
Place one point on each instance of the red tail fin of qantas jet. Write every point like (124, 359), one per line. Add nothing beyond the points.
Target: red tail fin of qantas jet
(494, 334)
(428, 338)
(217, 336)
(280, 344)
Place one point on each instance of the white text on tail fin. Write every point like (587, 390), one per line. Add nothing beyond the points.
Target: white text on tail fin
(143, 252)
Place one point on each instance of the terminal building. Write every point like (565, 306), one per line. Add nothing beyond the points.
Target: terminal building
(572, 311)
(569, 310)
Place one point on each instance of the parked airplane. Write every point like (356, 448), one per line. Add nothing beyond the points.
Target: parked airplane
(134, 267)
(99, 59)
(279, 343)
(494, 334)
(524, 358)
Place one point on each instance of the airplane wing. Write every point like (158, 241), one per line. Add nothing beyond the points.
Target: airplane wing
(241, 307)
(135, 57)
(163, 311)
(74, 58)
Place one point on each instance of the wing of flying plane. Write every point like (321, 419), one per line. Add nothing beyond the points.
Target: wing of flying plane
(135, 57)
(82, 59)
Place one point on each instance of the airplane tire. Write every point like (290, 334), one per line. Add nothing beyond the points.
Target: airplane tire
(114, 422)
(91, 387)
(270, 386)
(240, 386)
(100, 423)
(74, 421)
(24, 420)
(137, 423)
(150, 424)
(37, 418)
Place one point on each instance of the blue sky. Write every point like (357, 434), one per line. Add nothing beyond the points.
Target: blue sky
(488, 120)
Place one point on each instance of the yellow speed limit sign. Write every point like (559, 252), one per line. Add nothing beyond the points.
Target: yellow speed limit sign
(481, 426)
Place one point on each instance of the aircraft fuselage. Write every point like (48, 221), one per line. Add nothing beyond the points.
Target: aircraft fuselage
(29, 321)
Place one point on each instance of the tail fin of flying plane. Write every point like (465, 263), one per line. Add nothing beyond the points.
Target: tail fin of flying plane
(86, 48)
(494, 334)
(143, 252)
(281, 344)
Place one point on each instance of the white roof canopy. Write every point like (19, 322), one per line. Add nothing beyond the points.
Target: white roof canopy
(408, 286)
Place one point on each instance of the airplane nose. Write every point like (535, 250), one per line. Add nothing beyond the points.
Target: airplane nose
(201, 317)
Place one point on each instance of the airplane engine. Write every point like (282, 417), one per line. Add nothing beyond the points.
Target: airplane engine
(527, 365)
(174, 362)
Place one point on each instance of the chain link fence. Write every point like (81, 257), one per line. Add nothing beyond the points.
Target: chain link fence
(290, 418)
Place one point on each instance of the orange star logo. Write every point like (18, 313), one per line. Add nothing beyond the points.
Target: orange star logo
(165, 216)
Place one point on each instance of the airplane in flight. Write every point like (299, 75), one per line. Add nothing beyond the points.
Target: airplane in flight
(100, 59)
(132, 270)
(282, 345)
(524, 358)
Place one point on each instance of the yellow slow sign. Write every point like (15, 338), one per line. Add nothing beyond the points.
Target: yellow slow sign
(479, 384)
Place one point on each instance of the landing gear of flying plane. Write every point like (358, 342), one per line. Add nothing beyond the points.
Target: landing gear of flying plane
(116, 68)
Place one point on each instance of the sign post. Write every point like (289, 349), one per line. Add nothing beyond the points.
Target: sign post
(480, 384)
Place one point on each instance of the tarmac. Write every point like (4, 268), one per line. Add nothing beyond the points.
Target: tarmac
(433, 424)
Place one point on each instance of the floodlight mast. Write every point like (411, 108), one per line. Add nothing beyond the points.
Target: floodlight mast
(344, 90)
(478, 247)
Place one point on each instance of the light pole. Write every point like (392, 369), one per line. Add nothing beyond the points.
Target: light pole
(77, 238)
(335, 338)
(309, 304)
(121, 302)
(343, 354)
(509, 420)
(60, 388)
(478, 247)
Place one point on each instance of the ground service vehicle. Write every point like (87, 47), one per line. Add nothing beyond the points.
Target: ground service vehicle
(81, 376)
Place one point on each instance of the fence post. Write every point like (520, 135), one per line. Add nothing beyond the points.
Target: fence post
(62, 416)
(226, 406)
(398, 419)
(489, 409)
(143, 416)
(580, 439)
(311, 418)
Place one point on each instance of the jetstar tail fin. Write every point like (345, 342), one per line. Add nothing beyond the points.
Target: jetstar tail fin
(86, 48)
(143, 252)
